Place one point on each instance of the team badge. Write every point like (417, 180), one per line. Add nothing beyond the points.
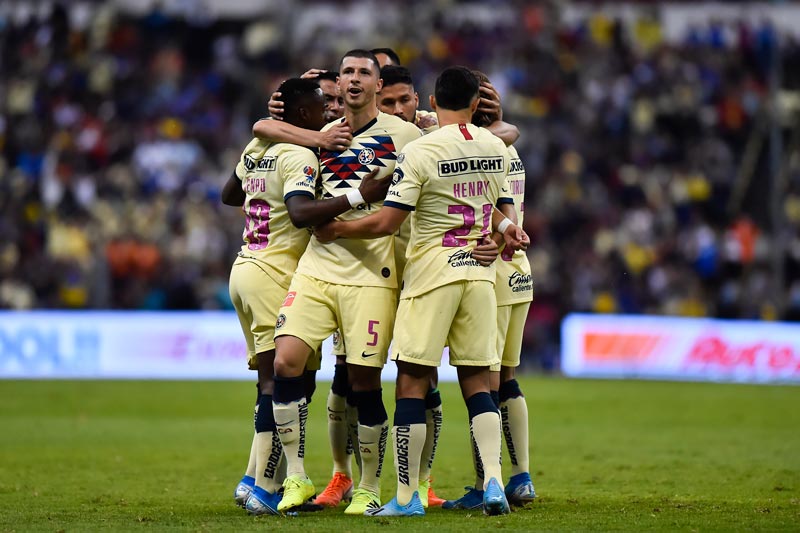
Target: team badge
(397, 176)
(400, 158)
(366, 156)
(309, 172)
(281, 321)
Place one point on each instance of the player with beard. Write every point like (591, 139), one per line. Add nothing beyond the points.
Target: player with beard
(275, 185)
(514, 291)
(349, 285)
(447, 178)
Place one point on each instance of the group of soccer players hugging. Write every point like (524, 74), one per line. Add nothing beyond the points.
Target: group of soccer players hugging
(375, 222)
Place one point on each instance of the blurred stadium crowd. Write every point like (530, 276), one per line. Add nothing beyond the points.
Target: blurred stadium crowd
(118, 130)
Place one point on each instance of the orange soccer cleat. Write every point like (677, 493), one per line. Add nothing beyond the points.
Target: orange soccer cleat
(432, 500)
(340, 488)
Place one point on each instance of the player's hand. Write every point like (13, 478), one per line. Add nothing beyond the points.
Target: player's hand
(426, 121)
(516, 238)
(337, 138)
(486, 251)
(275, 106)
(490, 101)
(312, 73)
(325, 232)
(372, 189)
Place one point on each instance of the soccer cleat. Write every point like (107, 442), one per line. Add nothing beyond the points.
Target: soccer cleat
(243, 490)
(363, 500)
(262, 502)
(473, 499)
(412, 508)
(519, 489)
(340, 488)
(429, 499)
(494, 499)
(296, 490)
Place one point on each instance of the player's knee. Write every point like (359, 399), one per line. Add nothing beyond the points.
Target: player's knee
(509, 390)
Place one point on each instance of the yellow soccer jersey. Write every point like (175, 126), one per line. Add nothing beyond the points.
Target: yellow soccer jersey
(367, 262)
(451, 179)
(271, 173)
(514, 284)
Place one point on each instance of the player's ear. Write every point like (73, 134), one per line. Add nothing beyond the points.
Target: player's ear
(473, 106)
(432, 100)
(379, 85)
(416, 99)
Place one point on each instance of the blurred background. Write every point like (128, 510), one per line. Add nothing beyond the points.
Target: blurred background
(660, 141)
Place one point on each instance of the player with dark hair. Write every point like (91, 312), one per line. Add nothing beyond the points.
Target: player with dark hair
(334, 103)
(275, 185)
(386, 56)
(349, 285)
(451, 179)
(514, 291)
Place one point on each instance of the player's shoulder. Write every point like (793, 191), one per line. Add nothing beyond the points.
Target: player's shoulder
(292, 150)
(256, 146)
(393, 124)
(332, 123)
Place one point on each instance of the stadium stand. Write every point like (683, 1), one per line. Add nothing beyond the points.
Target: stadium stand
(649, 158)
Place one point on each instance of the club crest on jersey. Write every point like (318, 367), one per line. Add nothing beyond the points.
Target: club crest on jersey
(400, 158)
(366, 156)
(281, 321)
(397, 176)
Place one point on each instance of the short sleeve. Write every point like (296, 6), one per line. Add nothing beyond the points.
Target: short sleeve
(299, 169)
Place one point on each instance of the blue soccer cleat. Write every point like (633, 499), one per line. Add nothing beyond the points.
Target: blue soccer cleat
(473, 499)
(413, 508)
(243, 490)
(494, 499)
(519, 489)
(262, 502)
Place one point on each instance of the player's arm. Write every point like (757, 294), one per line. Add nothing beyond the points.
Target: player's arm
(336, 138)
(514, 237)
(232, 193)
(385, 222)
(305, 211)
(490, 103)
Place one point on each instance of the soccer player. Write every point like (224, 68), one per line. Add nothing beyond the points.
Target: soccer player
(350, 285)
(275, 185)
(514, 291)
(386, 56)
(452, 179)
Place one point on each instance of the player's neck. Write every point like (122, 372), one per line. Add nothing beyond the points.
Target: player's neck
(448, 116)
(358, 118)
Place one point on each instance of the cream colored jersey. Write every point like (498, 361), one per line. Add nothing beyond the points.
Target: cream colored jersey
(361, 262)
(451, 179)
(514, 284)
(270, 174)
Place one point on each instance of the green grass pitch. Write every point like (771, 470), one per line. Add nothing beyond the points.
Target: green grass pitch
(606, 455)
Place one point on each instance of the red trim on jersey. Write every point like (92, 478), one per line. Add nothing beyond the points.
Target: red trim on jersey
(464, 131)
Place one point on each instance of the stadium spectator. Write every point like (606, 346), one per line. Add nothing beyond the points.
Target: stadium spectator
(633, 142)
